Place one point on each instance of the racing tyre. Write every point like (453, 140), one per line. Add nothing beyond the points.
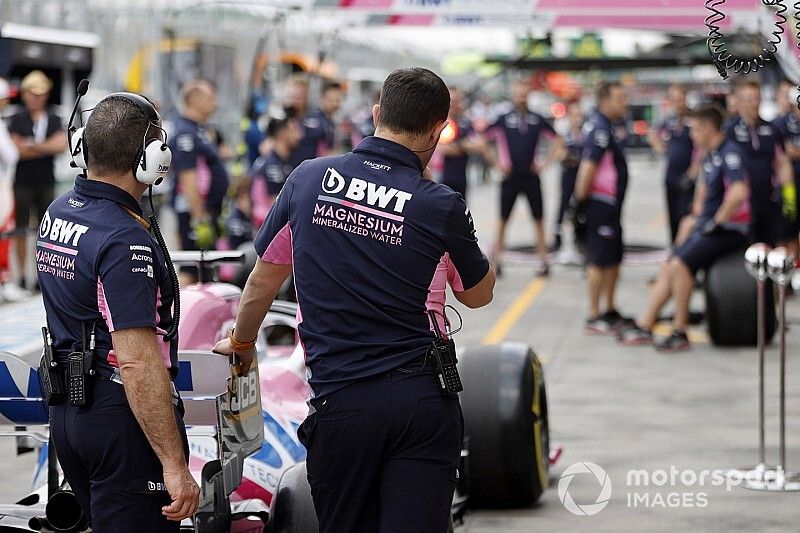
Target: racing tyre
(506, 426)
(732, 305)
(292, 509)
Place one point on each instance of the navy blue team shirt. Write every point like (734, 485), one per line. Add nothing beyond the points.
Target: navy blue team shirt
(454, 170)
(758, 146)
(192, 149)
(789, 128)
(722, 167)
(675, 133)
(318, 132)
(602, 147)
(517, 135)
(373, 246)
(97, 264)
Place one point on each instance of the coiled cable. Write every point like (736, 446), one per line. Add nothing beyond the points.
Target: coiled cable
(723, 59)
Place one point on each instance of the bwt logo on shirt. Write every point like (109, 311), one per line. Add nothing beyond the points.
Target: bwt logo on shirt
(363, 190)
(62, 231)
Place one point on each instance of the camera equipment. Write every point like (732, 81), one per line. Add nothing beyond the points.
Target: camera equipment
(49, 374)
(444, 353)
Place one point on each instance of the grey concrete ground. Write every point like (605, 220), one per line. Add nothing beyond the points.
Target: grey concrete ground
(621, 408)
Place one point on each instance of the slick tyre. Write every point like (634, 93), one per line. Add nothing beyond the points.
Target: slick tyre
(506, 426)
(732, 305)
(292, 509)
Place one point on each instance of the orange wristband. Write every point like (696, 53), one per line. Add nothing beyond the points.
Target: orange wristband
(239, 346)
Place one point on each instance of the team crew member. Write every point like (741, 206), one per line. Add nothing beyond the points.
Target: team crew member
(461, 142)
(789, 128)
(318, 133)
(39, 137)
(270, 171)
(722, 226)
(517, 135)
(601, 185)
(764, 160)
(124, 453)
(8, 158)
(202, 180)
(570, 157)
(672, 140)
(373, 245)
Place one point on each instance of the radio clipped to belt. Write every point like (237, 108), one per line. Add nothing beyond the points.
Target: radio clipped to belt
(444, 353)
(61, 385)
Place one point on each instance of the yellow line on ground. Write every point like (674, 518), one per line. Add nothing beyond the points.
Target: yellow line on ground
(511, 316)
(698, 337)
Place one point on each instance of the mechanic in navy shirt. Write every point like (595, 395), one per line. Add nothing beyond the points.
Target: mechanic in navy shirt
(373, 245)
(789, 127)
(764, 158)
(318, 133)
(723, 225)
(672, 139)
(124, 453)
(601, 185)
(516, 135)
(270, 171)
(201, 179)
(570, 157)
(461, 141)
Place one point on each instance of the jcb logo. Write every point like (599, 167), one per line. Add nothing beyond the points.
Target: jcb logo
(361, 190)
(62, 231)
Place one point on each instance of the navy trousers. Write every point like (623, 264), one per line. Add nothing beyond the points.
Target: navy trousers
(109, 463)
(383, 454)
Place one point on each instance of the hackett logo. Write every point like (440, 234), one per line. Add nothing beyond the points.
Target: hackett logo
(360, 190)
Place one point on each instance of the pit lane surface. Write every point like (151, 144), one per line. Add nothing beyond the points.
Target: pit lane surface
(621, 408)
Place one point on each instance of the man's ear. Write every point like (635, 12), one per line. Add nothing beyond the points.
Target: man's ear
(437, 130)
(376, 111)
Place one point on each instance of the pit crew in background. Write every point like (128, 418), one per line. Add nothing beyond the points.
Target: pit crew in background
(600, 187)
(239, 224)
(201, 179)
(789, 128)
(671, 139)
(124, 453)
(765, 161)
(8, 158)
(318, 131)
(456, 149)
(722, 226)
(374, 245)
(269, 172)
(39, 137)
(570, 157)
(516, 136)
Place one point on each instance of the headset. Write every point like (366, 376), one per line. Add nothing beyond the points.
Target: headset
(149, 167)
(153, 160)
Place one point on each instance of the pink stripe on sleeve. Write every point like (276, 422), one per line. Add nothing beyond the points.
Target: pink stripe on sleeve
(102, 305)
(279, 250)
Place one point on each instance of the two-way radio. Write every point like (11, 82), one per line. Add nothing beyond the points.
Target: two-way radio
(443, 350)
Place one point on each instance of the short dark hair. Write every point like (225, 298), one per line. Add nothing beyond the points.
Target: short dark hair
(604, 90)
(114, 135)
(413, 100)
(330, 86)
(709, 113)
(280, 123)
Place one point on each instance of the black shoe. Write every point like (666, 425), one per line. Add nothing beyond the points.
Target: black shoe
(599, 325)
(556, 243)
(618, 321)
(542, 271)
(677, 342)
(634, 336)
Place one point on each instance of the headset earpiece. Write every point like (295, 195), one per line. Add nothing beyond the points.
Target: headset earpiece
(78, 149)
(154, 163)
